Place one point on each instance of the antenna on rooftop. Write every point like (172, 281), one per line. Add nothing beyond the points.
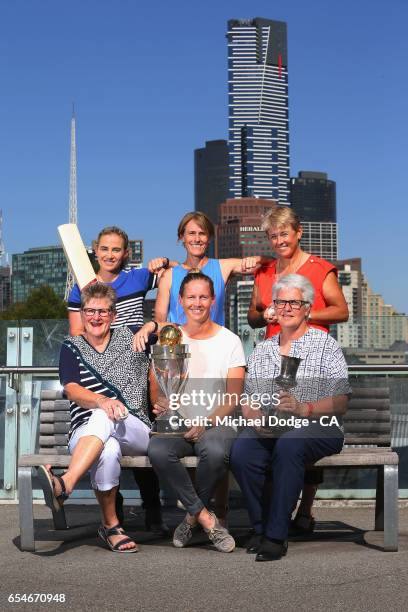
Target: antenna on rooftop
(73, 210)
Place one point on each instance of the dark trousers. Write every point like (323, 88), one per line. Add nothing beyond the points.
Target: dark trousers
(212, 449)
(287, 456)
(149, 487)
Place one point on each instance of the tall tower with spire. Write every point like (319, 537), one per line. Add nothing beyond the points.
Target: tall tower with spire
(73, 211)
(2, 247)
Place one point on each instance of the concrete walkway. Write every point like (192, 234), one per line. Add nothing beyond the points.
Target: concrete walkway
(341, 568)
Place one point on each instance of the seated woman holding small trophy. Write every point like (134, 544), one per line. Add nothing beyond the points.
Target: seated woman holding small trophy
(106, 383)
(310, 405)
(215, 381)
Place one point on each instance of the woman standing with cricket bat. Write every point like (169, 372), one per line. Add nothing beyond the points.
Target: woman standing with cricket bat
(131, 285)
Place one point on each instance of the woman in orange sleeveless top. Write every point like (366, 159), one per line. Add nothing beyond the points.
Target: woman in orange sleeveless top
(284, 232)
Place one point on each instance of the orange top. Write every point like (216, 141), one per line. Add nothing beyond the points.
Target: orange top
(315, 270)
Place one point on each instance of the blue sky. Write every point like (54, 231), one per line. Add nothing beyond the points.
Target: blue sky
(149, 85)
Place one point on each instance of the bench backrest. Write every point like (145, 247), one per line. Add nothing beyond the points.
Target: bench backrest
(367, 422)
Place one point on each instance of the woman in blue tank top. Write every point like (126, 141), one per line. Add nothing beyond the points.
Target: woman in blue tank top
(196, 231)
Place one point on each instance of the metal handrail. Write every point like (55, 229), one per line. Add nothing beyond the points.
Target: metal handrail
(29, 369)
(55, 369)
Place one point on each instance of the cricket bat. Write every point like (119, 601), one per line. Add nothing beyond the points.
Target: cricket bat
(76, 255)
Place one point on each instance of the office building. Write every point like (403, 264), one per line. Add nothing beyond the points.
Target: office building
(37, 267)
(313, 197)
(258, 138)
(373, 325)
(239, 233)
(211, 177)
(5, 287)
(320, 239)
(135, 253)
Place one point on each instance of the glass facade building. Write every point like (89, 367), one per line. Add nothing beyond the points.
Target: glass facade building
(36, 267)
(211, 177)
(313, 197)
(258, 109)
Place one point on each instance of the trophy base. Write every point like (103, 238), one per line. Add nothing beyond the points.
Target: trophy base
(163, 427)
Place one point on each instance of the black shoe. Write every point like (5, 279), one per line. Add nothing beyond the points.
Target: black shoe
(270, 550)
(253, 544)
(154, 522)
(301, 526)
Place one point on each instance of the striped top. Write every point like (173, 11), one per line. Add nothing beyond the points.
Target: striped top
(131, 287)
(117, 372)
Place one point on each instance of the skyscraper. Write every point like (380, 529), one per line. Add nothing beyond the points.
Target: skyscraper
(211, 177)
(258, 109)
(313, 198)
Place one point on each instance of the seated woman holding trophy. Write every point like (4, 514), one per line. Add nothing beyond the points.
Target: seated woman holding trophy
(216, 367)
(106, 383)
(302, 422)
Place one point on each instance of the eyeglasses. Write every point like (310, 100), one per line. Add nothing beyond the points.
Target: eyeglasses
(102, 312)
(294, 304)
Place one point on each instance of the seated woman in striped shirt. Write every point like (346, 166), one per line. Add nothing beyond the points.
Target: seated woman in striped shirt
(106, 383)
(131, 285)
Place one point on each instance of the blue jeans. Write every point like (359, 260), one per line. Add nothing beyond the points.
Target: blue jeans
(287, 456)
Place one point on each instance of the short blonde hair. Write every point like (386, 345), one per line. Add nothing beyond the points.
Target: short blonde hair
(278, 216)
(201, 219)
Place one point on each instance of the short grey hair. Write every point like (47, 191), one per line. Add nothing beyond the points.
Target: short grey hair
(295, 281)
(99, 291)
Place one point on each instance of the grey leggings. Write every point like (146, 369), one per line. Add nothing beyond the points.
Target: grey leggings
(213, 450)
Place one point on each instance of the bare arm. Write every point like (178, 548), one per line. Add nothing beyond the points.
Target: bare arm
(336, 310)
(75, 323)
(162, 304)
(91, 401)
(247, 265)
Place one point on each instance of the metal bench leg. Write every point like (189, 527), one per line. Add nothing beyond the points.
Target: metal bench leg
(25, 493)
(391, 508)
(379, 500)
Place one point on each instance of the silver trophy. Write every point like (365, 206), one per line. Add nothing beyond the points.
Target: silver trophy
(170, 367)
(286, 381)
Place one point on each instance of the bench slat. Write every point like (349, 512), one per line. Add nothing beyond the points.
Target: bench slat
(344, 459)
(54, 428)
(54, 417)
(53, 405)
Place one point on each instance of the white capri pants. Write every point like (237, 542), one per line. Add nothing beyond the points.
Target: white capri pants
(129, 436)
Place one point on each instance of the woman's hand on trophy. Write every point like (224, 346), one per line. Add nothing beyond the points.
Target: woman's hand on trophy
(194, 434)
(114, 408)
(289, 403)
(141, 337)
(162, 405)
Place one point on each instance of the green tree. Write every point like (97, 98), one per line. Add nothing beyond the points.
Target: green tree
(42, 303)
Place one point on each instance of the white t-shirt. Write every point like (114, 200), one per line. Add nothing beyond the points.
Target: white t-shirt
(208, 369)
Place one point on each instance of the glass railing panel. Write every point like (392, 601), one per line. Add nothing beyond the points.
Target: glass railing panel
(47, 337)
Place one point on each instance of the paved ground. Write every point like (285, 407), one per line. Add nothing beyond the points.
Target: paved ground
(342, 568)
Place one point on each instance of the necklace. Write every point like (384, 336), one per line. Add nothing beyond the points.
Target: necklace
(198, 268)
(291, 268)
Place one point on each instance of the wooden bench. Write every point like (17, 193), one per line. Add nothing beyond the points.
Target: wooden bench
(367, 424)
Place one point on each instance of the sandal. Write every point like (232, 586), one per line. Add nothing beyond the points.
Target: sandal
(47, 479)
(105, 532)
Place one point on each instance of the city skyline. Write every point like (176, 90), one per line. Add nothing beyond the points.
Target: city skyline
(341, 98)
